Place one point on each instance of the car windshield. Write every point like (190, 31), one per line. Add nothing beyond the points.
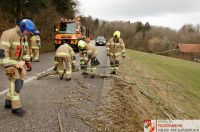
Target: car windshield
(100, 38)
(68, 28)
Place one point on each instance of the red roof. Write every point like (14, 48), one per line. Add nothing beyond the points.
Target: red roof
(189, 48)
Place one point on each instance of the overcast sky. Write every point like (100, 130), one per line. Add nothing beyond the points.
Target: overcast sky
(168, 13)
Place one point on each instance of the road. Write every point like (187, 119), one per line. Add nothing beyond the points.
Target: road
(75, 101)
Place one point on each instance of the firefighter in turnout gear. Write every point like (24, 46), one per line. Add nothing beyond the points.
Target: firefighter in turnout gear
(14, 55)
(88, 52)
(35, 46)
(66, 58)
(115, 48)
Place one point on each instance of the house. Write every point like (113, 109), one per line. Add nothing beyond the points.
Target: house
(190, 51)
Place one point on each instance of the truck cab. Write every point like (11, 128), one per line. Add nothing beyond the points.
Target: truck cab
(69, 31)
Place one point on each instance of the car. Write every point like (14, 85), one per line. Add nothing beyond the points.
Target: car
(100, 41)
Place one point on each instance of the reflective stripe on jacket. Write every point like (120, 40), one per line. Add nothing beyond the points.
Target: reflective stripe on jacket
(65, 51)
(35, 42)
(14, 44)
(115, 48)
(89, 52)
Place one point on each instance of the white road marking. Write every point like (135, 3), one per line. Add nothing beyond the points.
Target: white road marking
(3, 92)
(27, 80)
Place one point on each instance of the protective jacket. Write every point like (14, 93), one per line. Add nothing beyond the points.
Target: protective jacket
(65, 54)
(15, 47)
(35, 42)
(115, 48)
(35, 46)
(65, 51)
(87, 54)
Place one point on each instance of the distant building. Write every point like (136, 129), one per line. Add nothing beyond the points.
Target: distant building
(189, 51)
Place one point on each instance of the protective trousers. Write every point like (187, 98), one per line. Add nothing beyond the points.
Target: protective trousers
(15, 78)
(83, 65)
(35, 54)
(67, 71)
(114, 62)
(93, 65)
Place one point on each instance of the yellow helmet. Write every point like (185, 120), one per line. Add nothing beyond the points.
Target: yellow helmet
(116, 34)
(81, 44)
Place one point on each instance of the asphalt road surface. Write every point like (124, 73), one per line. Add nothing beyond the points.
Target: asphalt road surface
(76, 101)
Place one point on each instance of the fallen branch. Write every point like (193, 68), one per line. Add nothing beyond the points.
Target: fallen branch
(60, 124)
(45, 74)
(98, 75)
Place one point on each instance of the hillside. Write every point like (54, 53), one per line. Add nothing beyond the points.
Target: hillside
(152, 87)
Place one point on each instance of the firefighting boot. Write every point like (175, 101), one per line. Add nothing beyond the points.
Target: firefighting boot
(55, 68)
(84, 71)
(8, 104)
(68, 79)
(61, 77)
(36, 60)
(18, 112)
(92, 72)
(74, 68)
(92, 76)
(113, 72)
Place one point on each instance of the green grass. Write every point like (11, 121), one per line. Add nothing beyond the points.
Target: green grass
(184, 74)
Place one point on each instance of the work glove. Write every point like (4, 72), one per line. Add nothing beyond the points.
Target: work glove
(10, 71)
(29, 66)
(20, 64)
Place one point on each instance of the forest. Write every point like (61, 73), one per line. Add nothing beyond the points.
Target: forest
(137, 35)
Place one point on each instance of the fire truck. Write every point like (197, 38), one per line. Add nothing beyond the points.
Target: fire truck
(70, 31)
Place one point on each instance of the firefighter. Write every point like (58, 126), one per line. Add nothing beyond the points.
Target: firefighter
(35, 46)
(115, 48)
(66, 55)
(88, 52)
(14, 55)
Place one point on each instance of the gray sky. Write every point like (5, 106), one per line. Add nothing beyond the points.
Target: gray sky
(168, 13)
